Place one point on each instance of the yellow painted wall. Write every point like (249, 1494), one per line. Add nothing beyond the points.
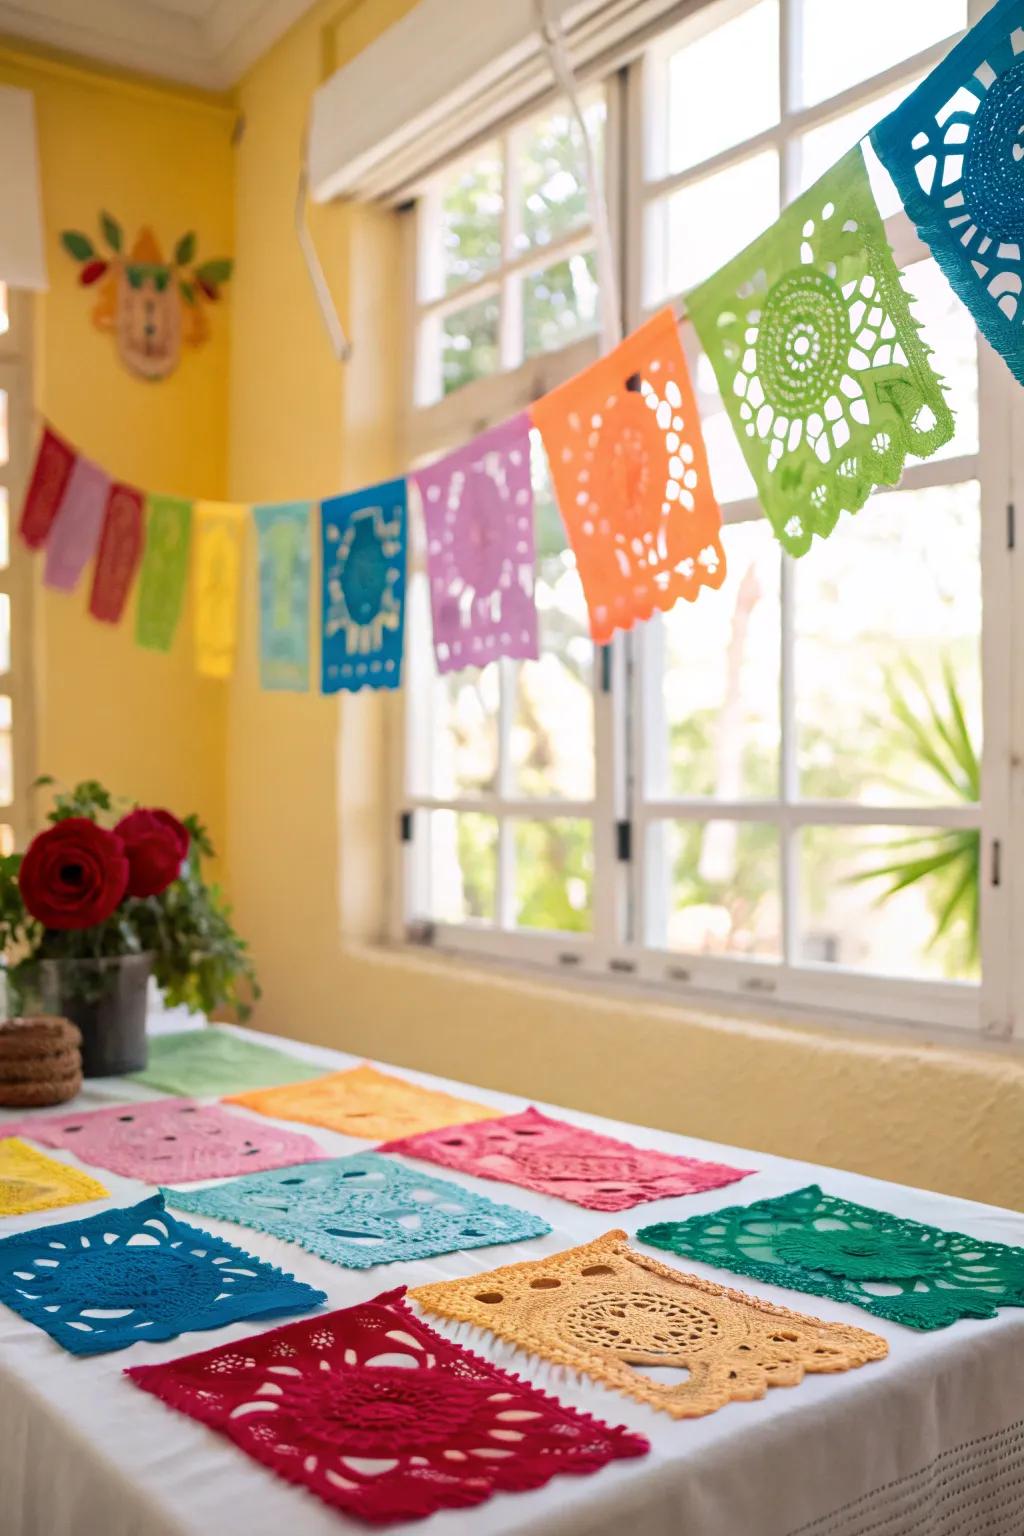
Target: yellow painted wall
(297, 782)
(143, 723)
(307, 830)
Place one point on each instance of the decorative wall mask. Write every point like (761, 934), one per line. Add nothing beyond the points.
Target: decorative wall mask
(154, 306)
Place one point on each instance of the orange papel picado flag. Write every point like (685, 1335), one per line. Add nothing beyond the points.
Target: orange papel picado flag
(630, 472)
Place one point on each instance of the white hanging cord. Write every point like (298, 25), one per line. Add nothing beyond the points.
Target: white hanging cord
(340, 344)
(553, 39)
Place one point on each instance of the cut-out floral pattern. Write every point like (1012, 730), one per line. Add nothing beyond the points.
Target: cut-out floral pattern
(608, 1310)
(819, 361)
(903, 1270)
(110, 1280)
(363, 557)
(629, 467)
(955, 149)
(555, 1158)
(382, 1417)
(169, 1141)
(362, 1210)
(478, 512)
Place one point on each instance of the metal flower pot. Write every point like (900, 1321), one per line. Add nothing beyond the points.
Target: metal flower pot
(107, 1000)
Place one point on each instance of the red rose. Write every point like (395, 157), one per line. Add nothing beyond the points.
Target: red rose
(74, 874)
(156, 844)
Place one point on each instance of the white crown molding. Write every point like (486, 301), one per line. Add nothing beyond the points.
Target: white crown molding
(211, 52)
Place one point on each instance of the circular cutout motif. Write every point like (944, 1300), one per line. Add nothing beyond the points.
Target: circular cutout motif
(161, 1282)
(803, 342)
(993, 173)
(477, 553)
(859, 1255)
(364, 576)
(630, 464)
(641, 1323)
(381, 1409)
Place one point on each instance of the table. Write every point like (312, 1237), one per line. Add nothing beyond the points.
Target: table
(927, 1443)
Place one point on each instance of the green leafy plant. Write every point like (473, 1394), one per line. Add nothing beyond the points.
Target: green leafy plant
(198, 958)
(932, 730)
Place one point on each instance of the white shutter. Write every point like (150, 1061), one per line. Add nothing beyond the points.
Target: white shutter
(448, 75)
(22, 260)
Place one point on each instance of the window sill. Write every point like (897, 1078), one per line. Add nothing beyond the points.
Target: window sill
(556, 987)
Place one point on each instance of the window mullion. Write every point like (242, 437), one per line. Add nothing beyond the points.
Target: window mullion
(510, 300)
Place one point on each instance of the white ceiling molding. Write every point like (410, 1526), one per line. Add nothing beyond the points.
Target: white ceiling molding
(204, 43)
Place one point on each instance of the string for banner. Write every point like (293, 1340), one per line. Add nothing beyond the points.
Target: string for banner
(553, 38)
(340, 344)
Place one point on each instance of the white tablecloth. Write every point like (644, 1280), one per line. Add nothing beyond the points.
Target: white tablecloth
(927, 1443)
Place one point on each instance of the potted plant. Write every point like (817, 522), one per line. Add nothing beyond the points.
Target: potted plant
(105, 896)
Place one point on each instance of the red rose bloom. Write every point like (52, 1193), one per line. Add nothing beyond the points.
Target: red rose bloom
(156, 844)
(74, 874)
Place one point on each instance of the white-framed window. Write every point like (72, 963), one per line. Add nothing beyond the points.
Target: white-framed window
(779, 791)
(17, 750)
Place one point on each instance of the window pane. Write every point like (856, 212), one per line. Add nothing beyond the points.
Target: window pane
(552, 186)
(721, 885)
(5, 314)
(554, 863)
(6, 833)
(552, 742)
(730, 474)
(469, 345)
(848, 916)
(697, 229)
(465, 735)
(463, 866)
(5, 632)
(470, 218)
(720, 689)
(5, 442)
(822, 147)
(722, 89)
(6, 753)
(950, 332)
(888, 652)
(452, 719)
(840, 45)
(560, 304)
(5, 529)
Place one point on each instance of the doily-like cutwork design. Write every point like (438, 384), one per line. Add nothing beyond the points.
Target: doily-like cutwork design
(478, 511)
(137, 1273)
(627, 458)
(31, 1181)
(169, 1141)
(363, 562)
(955, 149)
(819, 360)
(362, 1210)
(383, 1418)
(206, 1063)
(891, 1266)
(555, 1158)
(365, 1102)
(606, 1309)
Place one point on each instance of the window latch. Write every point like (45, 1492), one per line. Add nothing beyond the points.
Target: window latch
(405, 827)
(624, 841)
